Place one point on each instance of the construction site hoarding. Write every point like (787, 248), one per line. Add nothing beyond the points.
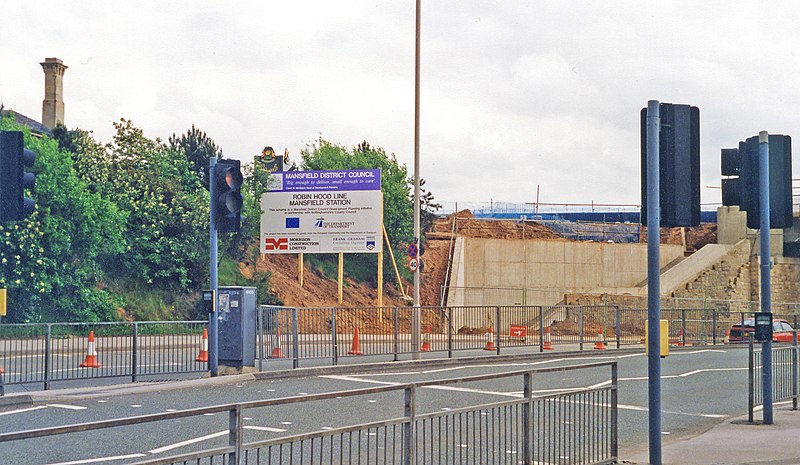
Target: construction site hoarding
(322, 212)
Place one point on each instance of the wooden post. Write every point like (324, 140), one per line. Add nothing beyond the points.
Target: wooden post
(394, 263)
(300, 269)
(341, 276)
(380, 286)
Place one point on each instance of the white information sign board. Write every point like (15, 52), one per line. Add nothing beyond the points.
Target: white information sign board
(323, 212)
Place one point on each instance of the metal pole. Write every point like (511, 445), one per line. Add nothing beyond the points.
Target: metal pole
(653, 281)
(415, 317)
(527, 431)
(213, 327)
(751, 401)
(766, 306)
(135, 351)
(794, 369)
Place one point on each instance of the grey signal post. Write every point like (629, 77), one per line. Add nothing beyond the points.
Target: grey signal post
(213, 326)
(765, 265)
(653, 282)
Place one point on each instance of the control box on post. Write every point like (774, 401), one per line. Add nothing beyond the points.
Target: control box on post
(237, 326)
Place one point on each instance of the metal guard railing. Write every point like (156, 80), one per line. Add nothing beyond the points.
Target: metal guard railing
(575, 427)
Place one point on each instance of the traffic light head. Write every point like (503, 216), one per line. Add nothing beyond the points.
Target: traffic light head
(679, 165)
(744, 189)
(14, 206)
(228, 200)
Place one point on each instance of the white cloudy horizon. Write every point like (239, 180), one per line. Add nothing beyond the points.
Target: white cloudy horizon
(514, 94)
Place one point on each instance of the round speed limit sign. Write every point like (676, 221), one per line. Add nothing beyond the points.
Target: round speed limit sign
(412, 264)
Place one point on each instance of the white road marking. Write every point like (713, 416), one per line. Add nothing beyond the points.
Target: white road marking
(101, 459)
(22, 410)
(68, 407)
(286, 422)
(265, 428)
(136, 406)
(189, 441)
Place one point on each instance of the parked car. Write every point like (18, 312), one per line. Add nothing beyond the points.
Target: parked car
(781, 331)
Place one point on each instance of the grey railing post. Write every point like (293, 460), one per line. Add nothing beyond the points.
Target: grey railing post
(714, 327)
(296, 340)
(750, 375)
(794, 369)
(541, 328)
(449, 332)
(260, 336)
(235, 436)
(408, 428)
(135, 351)
(614, 406)
(580, 327)
(683, 327)
(334, 337)
(618, 325)
(497, 330)
(527, 431)
(395, 335)
(47, 357)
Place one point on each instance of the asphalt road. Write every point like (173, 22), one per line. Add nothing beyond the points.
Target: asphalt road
(700, 388)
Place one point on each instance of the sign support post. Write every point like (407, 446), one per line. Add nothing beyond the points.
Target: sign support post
(766, 301)
(653, 281)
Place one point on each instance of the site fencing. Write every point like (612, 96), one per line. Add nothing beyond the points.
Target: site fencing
(46, 353)
(333, 333)
(576, 426)
(784, 376)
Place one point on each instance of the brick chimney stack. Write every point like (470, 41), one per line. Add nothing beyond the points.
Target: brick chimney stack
(53, 104)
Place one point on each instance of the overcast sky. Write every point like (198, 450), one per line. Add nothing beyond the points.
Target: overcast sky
(514, 93)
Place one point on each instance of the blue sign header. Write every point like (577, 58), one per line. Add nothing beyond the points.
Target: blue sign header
(334, 180)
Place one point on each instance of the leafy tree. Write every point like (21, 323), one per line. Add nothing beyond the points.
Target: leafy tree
(51, 262)
(397, 205)
(198, 149)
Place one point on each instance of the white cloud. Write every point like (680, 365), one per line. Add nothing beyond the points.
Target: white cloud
(515, 94)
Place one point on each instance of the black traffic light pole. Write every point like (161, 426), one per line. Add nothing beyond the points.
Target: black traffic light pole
(213, 326)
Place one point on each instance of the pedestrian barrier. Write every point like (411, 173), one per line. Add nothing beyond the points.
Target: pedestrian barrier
(47, 353)
(785, 367)
(577, 426)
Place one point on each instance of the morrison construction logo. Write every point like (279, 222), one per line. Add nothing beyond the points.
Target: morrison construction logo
(281, 243)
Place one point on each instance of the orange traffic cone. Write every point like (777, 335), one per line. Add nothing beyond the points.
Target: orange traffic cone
(727, 339)
(490, 340)
(91, 354)
(356, 348)
(601, 341)
(203, 356)
(276, 346)
(680, 338)
(548, 345)
(426, 340)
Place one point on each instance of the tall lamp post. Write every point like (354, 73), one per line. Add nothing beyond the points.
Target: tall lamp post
(415, 318)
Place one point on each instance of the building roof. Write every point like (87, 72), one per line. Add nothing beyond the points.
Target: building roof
(35, 126)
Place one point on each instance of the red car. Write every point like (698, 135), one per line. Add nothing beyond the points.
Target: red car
(781, 331)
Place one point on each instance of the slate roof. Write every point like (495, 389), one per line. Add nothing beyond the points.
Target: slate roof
(35, 126)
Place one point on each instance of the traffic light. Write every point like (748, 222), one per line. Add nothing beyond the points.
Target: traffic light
(14, 206)
(228, 205)
(744, 189)
(679, 165)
